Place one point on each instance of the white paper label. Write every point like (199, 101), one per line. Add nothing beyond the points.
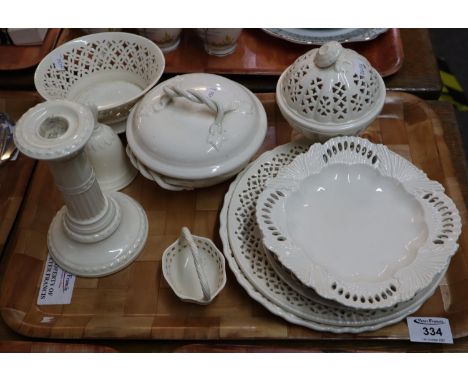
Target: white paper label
(429, 329)
(56, 286)
(58, 63)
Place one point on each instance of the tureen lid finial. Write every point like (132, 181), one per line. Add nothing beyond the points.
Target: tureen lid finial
(328, 54)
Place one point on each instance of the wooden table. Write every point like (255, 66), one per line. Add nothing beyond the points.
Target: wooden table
(447, 118)
(418, 75)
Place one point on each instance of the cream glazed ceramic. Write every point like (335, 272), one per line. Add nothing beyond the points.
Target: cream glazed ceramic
(195, 130)
(194, 268)
(242, 246)
(290, 279)
(330, 91)
(107, 156)
(95, 233)
(219, 41)
(175, 184)
(111, 70)
(358, 223)
(168, 39)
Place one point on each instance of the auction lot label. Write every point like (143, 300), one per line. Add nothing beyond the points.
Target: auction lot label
(56, 286)
(429, 329)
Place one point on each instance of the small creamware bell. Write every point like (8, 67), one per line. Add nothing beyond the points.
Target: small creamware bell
(107, 155)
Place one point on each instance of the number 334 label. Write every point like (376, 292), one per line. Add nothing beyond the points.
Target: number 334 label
(429, 329)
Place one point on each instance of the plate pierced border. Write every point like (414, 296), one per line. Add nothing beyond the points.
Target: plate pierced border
(440, 214)
(242, 247)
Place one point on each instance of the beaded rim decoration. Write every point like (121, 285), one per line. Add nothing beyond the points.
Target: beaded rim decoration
(54, 129)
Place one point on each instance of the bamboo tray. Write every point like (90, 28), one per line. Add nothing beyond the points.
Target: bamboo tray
(136, 303)
(260, 53)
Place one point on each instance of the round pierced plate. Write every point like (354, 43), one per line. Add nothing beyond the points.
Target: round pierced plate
(243, 248)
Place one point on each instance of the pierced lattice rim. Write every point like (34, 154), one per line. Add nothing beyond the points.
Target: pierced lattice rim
(49, 60)
(440, 214)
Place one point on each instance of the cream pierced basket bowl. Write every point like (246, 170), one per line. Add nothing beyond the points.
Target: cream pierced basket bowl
(112, 70)
(330, 91)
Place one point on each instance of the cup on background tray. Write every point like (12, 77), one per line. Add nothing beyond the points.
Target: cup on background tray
(168, 39)
(219, 41)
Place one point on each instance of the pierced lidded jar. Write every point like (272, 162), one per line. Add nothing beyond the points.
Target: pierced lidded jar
(330, 91)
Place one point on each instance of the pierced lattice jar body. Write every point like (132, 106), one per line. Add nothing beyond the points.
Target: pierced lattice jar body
(330, 91)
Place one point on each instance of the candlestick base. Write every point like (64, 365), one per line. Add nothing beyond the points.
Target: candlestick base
(106, 256)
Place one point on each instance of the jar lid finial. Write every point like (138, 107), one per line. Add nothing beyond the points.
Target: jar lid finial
(328, 54)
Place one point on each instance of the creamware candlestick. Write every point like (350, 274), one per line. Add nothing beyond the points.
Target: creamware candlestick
(95, 233)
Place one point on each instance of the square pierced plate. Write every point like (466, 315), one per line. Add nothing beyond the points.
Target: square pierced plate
(358, 223)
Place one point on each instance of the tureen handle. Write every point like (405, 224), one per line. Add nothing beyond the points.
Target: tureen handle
(215, 136)
(185, 234)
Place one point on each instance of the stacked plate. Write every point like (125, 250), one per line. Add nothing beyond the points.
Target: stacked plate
(344, 236)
